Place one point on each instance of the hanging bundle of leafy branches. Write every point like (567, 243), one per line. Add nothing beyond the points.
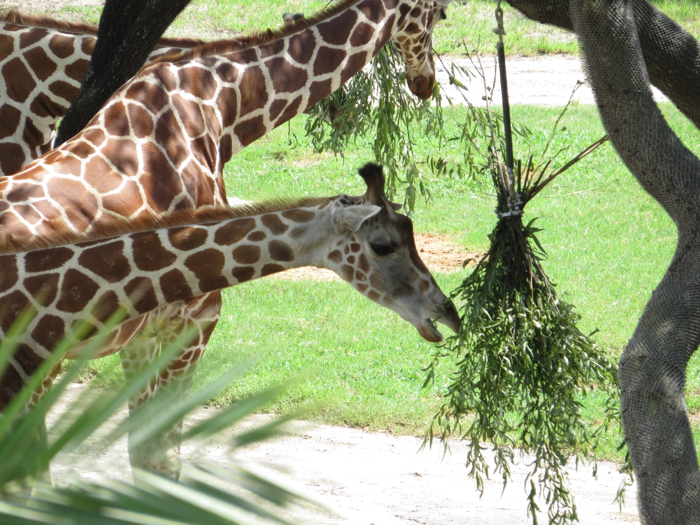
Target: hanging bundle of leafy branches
(523, 365)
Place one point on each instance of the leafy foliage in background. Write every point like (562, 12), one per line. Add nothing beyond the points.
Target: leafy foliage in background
(204, 494)
(376, 104)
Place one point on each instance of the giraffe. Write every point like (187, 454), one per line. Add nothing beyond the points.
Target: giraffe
(43, 63)
(192, 253)
(159, 144)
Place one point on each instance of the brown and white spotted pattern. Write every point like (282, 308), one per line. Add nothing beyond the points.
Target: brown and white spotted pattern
(42, 64)
(159, 144)
(361, 238)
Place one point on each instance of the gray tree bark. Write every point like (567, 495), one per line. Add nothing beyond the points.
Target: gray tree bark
(127, 32)
(653, 365)
(669, 51)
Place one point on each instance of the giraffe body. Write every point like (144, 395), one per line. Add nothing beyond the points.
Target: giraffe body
(43, 63)
(152, 274)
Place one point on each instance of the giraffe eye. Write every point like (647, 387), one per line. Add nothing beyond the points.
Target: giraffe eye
(381, 249)
(443, 15)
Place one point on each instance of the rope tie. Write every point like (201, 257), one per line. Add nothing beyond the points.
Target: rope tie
(515, 208)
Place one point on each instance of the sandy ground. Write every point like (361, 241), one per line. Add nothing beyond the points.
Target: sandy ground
(369, 478)
(380, 479)
(547, 80)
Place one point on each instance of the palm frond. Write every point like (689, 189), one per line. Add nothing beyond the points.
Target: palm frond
(204, 494)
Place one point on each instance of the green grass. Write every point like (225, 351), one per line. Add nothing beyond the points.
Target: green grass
(467, 25)
(608, 245)
(470, 26)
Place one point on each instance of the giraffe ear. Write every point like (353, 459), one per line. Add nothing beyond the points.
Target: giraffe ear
(352, 217)
(395, 206)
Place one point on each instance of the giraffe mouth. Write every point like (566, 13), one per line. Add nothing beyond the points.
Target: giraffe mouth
(446, 314)
(421, 86)
(429, 331)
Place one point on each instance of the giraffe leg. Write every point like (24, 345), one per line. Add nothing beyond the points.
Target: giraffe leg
(43, 440)
(162, 454)
(20, 495)
(39, 442)
(201, 316)
(134, 357)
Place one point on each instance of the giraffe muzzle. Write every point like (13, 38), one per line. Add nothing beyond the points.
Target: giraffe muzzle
(429, 332)
(421, 86)
(447, 315)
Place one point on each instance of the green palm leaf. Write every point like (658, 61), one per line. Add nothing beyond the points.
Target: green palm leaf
(204, 494)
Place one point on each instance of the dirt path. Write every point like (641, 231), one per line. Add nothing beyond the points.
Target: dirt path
(370, 478)
(541, 81)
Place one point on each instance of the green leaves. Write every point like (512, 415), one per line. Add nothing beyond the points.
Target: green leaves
(523, 366)
(523, 370)
(204, 494)
(376, 105)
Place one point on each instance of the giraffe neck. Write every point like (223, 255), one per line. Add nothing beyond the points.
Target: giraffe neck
(144, 271)
(251, 91)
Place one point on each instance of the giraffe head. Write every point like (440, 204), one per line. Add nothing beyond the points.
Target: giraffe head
(376, 253)
(413, 38)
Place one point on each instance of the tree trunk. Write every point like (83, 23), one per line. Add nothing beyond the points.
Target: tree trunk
(653, 365)
(127, 32)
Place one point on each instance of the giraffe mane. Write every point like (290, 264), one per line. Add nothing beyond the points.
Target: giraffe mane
(14, 16)
(254, 39)
(178, 218)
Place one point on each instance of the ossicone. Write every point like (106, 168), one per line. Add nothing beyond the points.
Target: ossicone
(374, 178)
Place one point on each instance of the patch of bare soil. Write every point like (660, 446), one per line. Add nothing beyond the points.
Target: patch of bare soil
(438, 252)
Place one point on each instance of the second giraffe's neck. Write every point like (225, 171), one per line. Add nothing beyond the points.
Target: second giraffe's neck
(306, 67)
(262, 87)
